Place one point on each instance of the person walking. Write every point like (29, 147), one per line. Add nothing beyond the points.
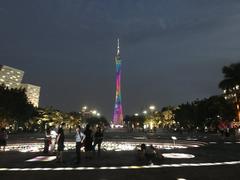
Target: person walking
(60, 143)
(98, 138)
(3, 138)
(79, 142)
(88, 141)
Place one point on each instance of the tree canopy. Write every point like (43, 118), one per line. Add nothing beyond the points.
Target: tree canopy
(14, 107)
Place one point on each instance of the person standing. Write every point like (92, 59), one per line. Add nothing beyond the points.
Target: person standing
(60, 143)
(3, 138)
(98, 138)
(88, 141)
(47, 141)
(79, 141)
(53, 135)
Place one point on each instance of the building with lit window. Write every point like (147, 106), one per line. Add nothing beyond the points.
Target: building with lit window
(32, 93)
(10, 77)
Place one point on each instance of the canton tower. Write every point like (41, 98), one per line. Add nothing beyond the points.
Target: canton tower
(118, 114)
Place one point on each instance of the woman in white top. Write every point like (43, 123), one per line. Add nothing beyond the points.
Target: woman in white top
(79, 142)
(53, 135)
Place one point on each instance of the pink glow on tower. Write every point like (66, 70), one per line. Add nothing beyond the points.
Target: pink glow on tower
(118, 113)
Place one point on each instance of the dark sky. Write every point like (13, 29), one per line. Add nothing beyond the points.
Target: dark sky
(172, 50)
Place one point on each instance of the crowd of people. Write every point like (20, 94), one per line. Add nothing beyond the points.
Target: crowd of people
(89, 139)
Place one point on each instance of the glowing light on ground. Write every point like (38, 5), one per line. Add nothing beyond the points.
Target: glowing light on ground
(106, 146)
(178, 155)
(212, 142)
(42, 159)
(227, 142)
(124, 167)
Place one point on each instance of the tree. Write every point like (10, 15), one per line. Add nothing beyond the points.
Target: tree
(94, 120)
(133, 121)
(14, 107)
(167, 116)
(230, 85)
(206, 112)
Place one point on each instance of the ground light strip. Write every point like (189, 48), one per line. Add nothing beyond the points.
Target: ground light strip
(123, 167)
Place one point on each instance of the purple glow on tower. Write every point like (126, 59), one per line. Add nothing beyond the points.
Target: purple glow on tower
(118, 114)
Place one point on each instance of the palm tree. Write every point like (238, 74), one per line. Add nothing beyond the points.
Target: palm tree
(230, 84)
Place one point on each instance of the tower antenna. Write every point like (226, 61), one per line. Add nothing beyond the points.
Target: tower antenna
(118, 47)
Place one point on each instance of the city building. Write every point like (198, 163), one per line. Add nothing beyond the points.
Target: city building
(32, 93)
(118, 112)
(10, 77)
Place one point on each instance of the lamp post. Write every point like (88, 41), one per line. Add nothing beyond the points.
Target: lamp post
(152, 109)
(174, 140)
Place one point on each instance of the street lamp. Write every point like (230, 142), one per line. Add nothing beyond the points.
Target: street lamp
(152, 108)
(174, 140)
(151, 116)
(84, 108)
(144, 112)
(94, 112)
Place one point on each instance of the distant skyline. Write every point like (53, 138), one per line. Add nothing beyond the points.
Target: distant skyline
(172, 51)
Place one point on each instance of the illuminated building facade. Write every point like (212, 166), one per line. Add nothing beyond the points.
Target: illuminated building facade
(32, 93)
(10, 77)
(118, 112)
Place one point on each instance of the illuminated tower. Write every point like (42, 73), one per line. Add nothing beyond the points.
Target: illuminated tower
(118, 114)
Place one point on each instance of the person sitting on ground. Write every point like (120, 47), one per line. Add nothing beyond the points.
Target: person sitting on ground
(141, 152)
(149, 153)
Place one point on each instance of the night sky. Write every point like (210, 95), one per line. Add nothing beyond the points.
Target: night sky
(172, 50)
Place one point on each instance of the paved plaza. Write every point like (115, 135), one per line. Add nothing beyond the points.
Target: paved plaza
(212, 157)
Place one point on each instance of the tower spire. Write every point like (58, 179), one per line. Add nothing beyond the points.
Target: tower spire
(118, 47)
